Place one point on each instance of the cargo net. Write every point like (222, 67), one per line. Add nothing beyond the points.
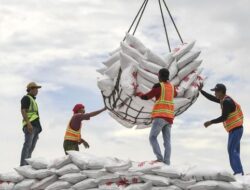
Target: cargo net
(131, 110)
(133, 68)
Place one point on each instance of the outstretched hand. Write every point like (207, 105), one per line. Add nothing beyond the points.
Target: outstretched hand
(207, 124)
(85, 143)
(200, 86)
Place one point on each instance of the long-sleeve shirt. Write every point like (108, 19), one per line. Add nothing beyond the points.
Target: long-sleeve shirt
(155, 92)
(227, 108)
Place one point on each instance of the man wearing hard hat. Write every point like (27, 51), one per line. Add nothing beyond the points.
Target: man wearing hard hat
(31, 121)
(72, 137)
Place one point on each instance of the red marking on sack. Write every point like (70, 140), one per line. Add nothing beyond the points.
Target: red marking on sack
(186, 78)
(134, 74)
(135, 180)
(141, 164)
(109, 183)
(176, 49)
(199, 78)
(123, 182)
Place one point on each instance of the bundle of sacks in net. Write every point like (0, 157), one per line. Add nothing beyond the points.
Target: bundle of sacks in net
(134, 68)
(78, 171)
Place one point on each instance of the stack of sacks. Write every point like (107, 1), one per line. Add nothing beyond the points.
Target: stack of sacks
(79, 171)
(135, 67)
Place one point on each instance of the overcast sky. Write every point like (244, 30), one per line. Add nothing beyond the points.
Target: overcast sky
(60, 44)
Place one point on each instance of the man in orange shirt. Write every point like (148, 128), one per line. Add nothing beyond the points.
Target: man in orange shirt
(72, 137)
(162, 114)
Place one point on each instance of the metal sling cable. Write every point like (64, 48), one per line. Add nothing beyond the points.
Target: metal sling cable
(164, 24)
(135, 17)
(173, 21)
(140, 16)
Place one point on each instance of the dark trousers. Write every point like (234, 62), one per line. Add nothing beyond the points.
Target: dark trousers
(234, 149)
(30, 140)
(70, 145)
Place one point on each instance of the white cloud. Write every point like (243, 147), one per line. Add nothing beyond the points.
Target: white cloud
(59, 44)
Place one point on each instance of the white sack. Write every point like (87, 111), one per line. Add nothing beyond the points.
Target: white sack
(106, 85)
(44, 182)
(188, 80)
(169, 58)
(172, 187)
(182, 184)
(143, 89)
(208, 173)
(147, 75)
(140, 186)
(173, 70)
(175, 81)
(70, 168)
(156, 180)
(114, 51)
(146, 167)
(127, 61)
(101, 70)
(153, 57)
(94, 174)
(213, 185)
(11, 177)
(73, 178)
(59, 185)
(189, 69)
(130, 177)
(128, 80)
(180, 102)
(179, 52)
(135, 43)
(109, 178)
(112, 186)
(60, 162)
(151, 67)
(144, 81)
(187, 58)
(111, 60)
(38, 163)
(86, 184)
(25, 184)
(168, 171)
(119, 166)
(113, 71)
(29, 172)
(135, 54)
(6, 186)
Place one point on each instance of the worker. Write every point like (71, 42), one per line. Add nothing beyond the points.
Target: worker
(72, 138)
(232, 118)
(162, 114)
(31, 121)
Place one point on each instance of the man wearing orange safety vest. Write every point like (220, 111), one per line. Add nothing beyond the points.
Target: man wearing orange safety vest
(162, 114)
(72, 137)
(232, 118)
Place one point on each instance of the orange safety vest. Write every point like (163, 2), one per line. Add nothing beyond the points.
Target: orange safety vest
(72, 135)
(235, 119)
(164, 106)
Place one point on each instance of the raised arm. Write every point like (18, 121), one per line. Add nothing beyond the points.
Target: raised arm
(210, 97)
(92, 114)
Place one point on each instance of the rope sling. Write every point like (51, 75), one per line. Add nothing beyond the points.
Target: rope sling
(115, 100)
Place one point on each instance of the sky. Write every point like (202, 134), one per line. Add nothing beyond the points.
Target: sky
(60, 44)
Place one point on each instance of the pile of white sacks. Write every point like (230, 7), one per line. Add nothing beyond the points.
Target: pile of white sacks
(139, 68)
(79, 171)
